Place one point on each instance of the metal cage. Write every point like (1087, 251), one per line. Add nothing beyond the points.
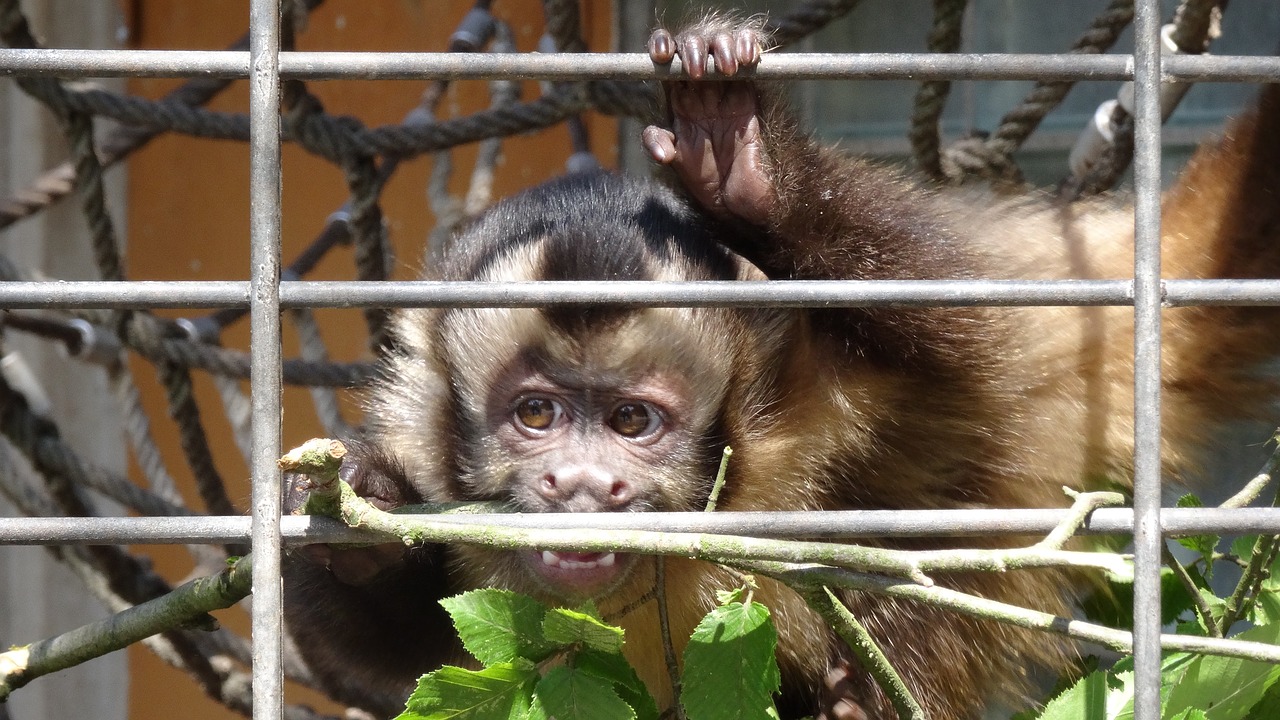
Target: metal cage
(266, 295)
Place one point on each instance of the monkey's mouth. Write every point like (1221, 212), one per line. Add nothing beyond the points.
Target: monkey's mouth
(579, 574)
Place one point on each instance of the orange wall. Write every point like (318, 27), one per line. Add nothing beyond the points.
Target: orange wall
(189, 215)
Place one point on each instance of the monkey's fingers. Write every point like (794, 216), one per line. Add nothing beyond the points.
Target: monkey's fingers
(727, 50)
(662, 49)
(692, 49)
(660, 143)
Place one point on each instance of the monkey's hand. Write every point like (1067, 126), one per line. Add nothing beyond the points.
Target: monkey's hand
(376, 478)
(715, 143)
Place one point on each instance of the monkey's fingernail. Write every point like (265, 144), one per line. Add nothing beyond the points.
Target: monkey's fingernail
(722, 51)
(662, 48)
(747, 49)
(659, 143)
(693, 53)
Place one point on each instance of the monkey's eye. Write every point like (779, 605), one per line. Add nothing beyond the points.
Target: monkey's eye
(537, 413)
(634, 420)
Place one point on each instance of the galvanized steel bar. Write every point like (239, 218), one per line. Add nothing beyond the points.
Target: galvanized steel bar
(780, 293)
(831, 525)
(264, 346)
(1147, 538)
(622, 66)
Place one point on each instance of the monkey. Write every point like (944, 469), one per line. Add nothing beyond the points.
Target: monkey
(616, 408)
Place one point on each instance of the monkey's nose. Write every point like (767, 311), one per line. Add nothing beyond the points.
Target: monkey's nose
(585, 488)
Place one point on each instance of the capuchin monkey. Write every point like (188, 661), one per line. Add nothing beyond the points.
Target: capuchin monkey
(612, 408)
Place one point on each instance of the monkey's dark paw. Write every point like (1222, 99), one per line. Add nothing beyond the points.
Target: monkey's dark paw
(714, 143)
(728, 48)
(836, 699)
(354, 565)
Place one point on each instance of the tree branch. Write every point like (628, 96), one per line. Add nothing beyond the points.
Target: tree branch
(188, 604)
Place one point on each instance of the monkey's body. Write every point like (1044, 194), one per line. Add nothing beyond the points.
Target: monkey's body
(825, 409)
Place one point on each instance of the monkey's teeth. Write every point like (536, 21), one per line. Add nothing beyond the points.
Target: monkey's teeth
(579, 561)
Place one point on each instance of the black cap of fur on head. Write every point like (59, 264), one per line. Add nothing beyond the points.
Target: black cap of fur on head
(591, 226)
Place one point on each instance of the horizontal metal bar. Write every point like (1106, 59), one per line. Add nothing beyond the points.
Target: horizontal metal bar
(790, 293)
(794, 293)
(133, 294)
(624, 66)
(1180, 293)
(834, 525)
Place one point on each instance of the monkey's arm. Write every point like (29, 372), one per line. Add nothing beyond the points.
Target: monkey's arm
(368, 619)
(816, 214)
(800, 211)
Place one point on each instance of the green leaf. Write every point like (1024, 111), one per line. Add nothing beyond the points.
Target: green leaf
(1266, 606)
(1190, 714)
(570, 627)
(1113, 605)
(1096, 696)
(1202, 544)
(615, 669)
(1242, 547)
(724, 597)
(1217, 609)
(1190, 500)
(500, 692)
(1268, 708)
(729, 667)
(570, 694)
(1226, 688)
(498, 626)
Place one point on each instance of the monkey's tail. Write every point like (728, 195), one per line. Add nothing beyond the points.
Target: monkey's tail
(1222, 220)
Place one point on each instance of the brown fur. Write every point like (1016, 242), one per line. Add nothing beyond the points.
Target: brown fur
(868, 408)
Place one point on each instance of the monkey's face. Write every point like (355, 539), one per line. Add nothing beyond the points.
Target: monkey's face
(613, 415)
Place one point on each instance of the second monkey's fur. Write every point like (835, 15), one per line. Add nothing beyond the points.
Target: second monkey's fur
(878, 408)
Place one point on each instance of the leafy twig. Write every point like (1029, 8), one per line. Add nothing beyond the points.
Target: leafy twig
(356, 512)
(1081, 506)
(718, 485)
(668, 647)
(1252, 490)
(806, 578)
(187, 604)
(1264, 548)
(1188, 584)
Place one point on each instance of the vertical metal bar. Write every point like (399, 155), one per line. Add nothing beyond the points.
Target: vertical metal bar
(264, 373)
(1146, 343)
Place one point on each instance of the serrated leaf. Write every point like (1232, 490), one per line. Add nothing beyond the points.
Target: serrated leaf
(724, 597)
(1266, 606)
(1190, 500)
(498, 626)
(1203, 545)
(1190, 714)
(1113, 606)
(562, 627)
(500, 692)
(589, 608)
(1242, 547)
(1096, 696)
(568, 694)
(1217, 609)
(608, 666)
(730, 671)
(1226, 688)
(1267, 708)
(614, 668)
